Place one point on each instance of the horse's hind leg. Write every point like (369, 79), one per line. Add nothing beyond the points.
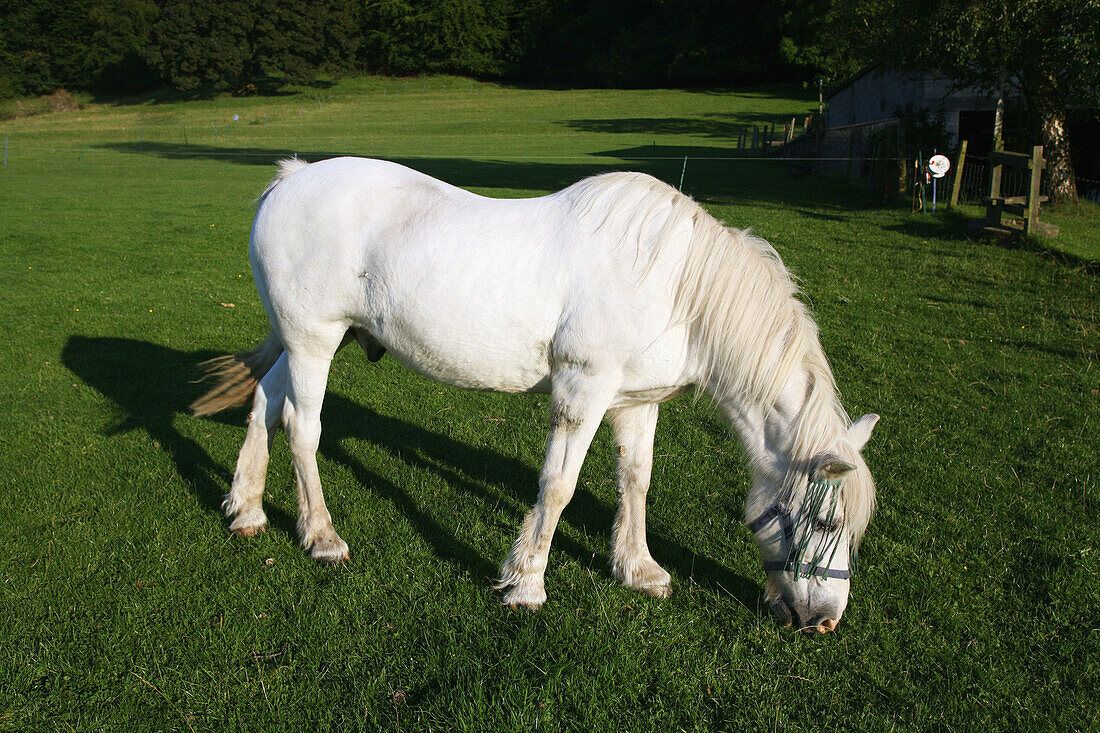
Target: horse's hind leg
(244, 504)
(307, 375)
(631, 562)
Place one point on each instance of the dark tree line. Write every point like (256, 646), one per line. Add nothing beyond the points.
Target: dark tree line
(249, 45)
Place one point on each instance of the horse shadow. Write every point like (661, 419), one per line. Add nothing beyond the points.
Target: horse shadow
(151, 387)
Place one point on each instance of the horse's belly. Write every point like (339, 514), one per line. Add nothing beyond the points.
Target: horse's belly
(466, 342)
(472, 365)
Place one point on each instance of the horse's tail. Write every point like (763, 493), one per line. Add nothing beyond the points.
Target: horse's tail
(236, 376)
(286, 167)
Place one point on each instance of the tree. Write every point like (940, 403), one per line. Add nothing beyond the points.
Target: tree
(44, 45)
(81, 44)
(808, 39)
(117, 33)
(649, 42)
(241, 45)
(438, 36)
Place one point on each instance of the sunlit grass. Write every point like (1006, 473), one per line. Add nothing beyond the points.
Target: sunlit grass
(127, 605)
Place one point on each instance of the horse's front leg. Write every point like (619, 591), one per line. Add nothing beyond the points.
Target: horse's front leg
(244, 503)
(578, 403)
(631, 562)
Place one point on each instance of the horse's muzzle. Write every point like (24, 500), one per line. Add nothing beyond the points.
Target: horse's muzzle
(819, 625)
(785, 616)
(780, 612)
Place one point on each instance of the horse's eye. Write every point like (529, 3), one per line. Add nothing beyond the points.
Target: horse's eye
(826, 527)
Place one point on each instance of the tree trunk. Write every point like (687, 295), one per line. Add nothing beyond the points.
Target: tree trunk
(999, 115)
(1061, 183)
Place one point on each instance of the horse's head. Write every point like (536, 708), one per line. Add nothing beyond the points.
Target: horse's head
(807, 529)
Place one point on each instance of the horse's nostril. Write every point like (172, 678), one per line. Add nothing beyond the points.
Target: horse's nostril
(820, 625)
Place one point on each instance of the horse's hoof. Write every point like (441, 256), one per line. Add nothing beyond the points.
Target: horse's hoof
(518, 599)
(646, 577)
(248, 523)
(656, 591)
(528, 607)
(330, 552)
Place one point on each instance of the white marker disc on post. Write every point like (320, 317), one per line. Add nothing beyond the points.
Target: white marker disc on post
(939, 165)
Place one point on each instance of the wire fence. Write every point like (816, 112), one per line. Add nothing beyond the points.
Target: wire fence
(877, 154)
(869, 151)
(874, 153)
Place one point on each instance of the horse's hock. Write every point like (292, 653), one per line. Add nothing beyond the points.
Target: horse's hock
(1024, 208)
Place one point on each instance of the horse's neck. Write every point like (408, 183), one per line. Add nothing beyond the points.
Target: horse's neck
(767, 433)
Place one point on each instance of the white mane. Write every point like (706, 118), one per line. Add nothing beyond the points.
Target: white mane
(742, 306)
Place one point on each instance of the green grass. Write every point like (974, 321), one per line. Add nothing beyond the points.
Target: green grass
(127, 605)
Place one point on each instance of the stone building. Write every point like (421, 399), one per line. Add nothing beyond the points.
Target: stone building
(876, 93)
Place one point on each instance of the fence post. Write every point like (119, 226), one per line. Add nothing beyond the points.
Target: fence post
(5, 151)
(956, 184)
(1032, 224)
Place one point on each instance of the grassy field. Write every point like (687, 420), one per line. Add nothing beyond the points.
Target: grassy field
(127, 605)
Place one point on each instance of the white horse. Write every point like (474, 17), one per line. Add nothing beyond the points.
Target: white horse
(612, 295)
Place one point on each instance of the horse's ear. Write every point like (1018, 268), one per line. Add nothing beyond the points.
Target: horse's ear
(860, 430)
(831, 468)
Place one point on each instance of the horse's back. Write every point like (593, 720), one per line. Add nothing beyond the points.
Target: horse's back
(473, 291)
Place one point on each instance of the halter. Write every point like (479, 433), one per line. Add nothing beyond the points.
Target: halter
(781, 510)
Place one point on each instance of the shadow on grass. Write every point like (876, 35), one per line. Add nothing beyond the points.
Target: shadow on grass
(726, 126)
(151, 386)
(268, 88)
(953, 224)
(715, 174)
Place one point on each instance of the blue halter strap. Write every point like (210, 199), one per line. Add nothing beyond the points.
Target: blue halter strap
(781, 510)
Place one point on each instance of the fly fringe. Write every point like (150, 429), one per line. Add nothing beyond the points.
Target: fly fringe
(236, 377)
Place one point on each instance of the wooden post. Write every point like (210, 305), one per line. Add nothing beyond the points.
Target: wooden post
(994, 178)
(1031, 224)
(956, 183)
